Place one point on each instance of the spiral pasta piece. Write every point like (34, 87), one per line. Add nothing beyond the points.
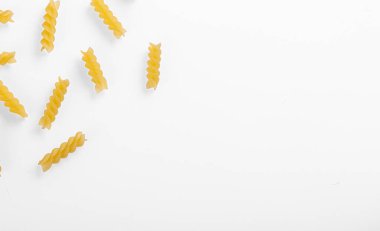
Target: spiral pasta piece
(94, 70)
(47, 41)
(54, 103)
(108, 18)
(6, 16)
(11, 102)
(7, 58)
(153, 69)
(63, 151)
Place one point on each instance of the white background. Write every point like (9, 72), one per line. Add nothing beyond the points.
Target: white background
(266, 118)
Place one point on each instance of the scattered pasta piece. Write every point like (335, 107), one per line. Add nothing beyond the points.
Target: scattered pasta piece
(7, 58)
(11, 102)
(108, 18)
(153, 70)
(63, 151)
(54, 103)
(94, 70)
(47, 41)
(6, 16)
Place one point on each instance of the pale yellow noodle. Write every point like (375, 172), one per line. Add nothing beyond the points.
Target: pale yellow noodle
(153, 69)
(54, 103)
(63, 151)
(11, 101)
(47, 41)
(7, 58)
(6, 16)
(94, 70)
(108, 18)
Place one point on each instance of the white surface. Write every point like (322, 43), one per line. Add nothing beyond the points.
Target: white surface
(266, 118)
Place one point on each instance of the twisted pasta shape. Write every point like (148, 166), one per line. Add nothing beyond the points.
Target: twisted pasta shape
(47, 41)
(7, 57)
(54, 103)
(153, 68)
(6, 16)
(11, 102)
(108, 18)
(94, 70)
(63, 151)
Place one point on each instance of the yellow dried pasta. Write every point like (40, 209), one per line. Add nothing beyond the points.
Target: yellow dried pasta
(54, 103)
(6, 16)
(11, 102)
(153, 69)
(94, 70)
(7, 58)
(108, 18)
(63, 151)
(47, 41)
